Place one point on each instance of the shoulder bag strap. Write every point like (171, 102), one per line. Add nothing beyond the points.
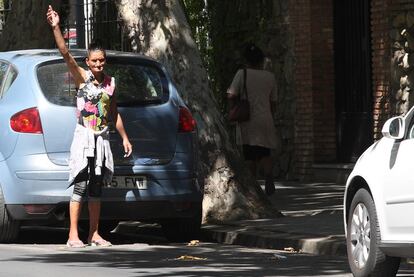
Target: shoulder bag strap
(244, 83)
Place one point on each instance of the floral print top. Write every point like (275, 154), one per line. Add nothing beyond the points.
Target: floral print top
(93, 102)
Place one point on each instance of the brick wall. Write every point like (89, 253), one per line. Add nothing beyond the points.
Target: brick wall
(315, 135)
(323, 81)
(380, 44)
(312, 26)
(300, 20)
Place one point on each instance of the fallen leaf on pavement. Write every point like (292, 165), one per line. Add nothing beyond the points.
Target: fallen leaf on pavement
(193, 243)
(190, 258)
(278, 257)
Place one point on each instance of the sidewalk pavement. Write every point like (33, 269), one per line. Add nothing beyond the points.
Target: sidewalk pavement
(312, 221)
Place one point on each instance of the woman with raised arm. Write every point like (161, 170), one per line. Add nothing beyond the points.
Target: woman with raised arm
(91, 162)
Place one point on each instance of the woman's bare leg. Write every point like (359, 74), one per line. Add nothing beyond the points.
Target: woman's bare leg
(94, 215)
(267, 165)
(74, 213)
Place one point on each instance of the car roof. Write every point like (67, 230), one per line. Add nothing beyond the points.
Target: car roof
(36, 56)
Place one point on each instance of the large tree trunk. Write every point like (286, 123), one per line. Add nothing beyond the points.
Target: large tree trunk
(26, 26)
(160, 29)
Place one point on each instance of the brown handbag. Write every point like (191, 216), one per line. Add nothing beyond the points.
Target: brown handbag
(240, 111)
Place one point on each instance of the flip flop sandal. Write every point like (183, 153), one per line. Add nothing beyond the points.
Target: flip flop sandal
(100, 243)
(75, 244)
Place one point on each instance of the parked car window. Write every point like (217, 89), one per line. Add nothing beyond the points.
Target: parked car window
(3, 70)
(135, 84)
(57, 84)
(8, 81)
(410, 128)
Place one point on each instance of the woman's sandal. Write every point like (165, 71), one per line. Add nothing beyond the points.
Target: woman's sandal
(75, 244)
(100, 243)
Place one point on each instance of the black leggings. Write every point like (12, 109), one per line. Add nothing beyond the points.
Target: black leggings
(87, 183)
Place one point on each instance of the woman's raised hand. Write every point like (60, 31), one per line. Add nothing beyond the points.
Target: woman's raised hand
(52, 17)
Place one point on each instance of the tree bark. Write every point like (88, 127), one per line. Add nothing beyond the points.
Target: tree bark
(159, 29)
(26, 26)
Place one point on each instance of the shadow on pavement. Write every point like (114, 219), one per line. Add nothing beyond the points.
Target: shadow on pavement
(216, 261)
(298, 198)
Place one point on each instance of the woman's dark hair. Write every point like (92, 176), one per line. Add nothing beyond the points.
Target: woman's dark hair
(96, 46)
(253, 55)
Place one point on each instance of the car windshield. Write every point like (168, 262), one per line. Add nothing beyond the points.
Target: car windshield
(136, 84)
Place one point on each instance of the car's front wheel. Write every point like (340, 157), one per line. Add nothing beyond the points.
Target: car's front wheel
(363, 237)
(9, 228)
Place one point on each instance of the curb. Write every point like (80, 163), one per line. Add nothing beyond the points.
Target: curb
(304, 243)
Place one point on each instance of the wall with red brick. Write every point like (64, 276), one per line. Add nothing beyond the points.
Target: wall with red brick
(380, 44)
(315, 136)
(312, 25)
(323, 81)
(300, 20)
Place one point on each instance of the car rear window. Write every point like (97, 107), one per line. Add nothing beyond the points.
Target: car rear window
(7, 76)
(3, 70)
(136, 84)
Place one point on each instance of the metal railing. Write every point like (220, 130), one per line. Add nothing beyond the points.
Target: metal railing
(3, 16)
(89, 20)
(85, 21)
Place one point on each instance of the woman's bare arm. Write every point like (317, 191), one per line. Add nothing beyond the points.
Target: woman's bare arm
(119, 125)
(78, 72)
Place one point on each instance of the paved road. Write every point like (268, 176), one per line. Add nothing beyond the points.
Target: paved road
(42, 253)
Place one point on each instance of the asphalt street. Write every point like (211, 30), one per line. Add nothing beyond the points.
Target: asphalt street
(41, 252)
(140, 258)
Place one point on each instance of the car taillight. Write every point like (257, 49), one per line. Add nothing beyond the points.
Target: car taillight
(27, 121)
(186, 121)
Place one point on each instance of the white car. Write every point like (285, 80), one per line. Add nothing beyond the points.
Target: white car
(379, 202)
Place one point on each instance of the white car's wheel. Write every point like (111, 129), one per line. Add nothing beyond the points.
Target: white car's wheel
(363, 237)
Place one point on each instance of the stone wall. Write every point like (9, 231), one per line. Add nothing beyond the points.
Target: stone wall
(392, 23)
(402, 59)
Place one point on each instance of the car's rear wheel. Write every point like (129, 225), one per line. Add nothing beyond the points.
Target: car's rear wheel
(363, 237)
(182, 229)
(9, 228)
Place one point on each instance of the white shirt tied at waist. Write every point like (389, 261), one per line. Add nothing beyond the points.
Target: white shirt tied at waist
(84, 146)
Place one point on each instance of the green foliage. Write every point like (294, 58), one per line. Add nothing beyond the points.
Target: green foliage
(220, 29)
(200, 23)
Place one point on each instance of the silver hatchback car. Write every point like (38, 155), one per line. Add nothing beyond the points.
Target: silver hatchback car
(157, 183)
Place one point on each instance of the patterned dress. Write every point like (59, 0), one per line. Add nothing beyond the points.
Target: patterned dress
(91, 137)
(93, 102)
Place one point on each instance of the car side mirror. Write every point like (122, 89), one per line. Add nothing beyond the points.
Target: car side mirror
(394, 128)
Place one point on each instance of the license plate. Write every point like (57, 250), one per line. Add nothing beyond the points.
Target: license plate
(128, 182)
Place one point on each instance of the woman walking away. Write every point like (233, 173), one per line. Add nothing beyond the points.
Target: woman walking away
(257, 135)
(91, 162)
